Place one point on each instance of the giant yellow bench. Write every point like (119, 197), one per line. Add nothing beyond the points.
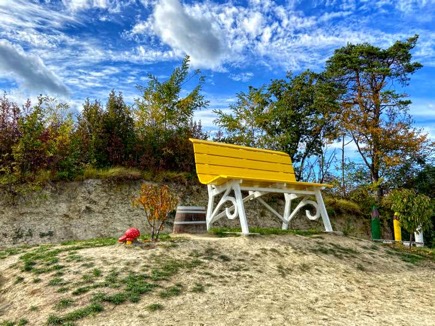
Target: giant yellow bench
(228, 169)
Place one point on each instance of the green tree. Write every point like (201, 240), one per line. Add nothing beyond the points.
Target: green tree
(374, 114)
(30, 152)
(46, 141)
(162, 106)
(301, 118)
(118, 131)
(63, 153)
(89, 134)
(243, 126)
(10, 114)
(424, 181)
(164, 119)
(415, 210)
(107, 137)
(296, 115)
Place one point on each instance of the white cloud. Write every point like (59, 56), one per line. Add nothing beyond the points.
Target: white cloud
(253, 24)
(113, 6)
(243, 77)
(30, 70)
(409, 6)
(333, 15)
(20, 14)
(218, 35)
(406, 6)
(188, 34)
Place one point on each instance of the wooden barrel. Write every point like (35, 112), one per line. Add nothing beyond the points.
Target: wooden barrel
(190, 219)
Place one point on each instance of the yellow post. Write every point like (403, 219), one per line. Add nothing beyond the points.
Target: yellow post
(397, 228)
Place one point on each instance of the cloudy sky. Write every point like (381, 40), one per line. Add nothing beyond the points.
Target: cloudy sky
(73, 49)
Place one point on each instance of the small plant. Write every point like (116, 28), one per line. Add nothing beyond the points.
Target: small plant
(88, 278)
(171, 291)
(283, 271)
(155, 307)
(305, 267)
(64, 303)
(198, 288)
(360, 267)
(56, 281)
(81, 290)
(224, 258)
(19, 279)
(75, 315)
(157, 202)
(62, 289)
(96, 272)
(116, 298)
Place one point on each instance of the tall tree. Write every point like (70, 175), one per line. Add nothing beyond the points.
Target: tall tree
(30, 152)
(10, 114)
(243, 125)
(62, 149)
(162, 105)
(374, 114)
(302, 116)
(89, 132)
(164, 119)
(296, 115)
(118, 130)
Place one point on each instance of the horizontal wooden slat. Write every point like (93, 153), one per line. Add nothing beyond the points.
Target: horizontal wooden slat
(242, 163)
(211, 143)
(241, 173)
(247, 153)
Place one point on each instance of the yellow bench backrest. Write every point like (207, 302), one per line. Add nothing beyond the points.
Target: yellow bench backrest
(218, 161)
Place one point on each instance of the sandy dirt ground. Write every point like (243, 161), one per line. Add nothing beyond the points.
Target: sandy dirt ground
(256, 280)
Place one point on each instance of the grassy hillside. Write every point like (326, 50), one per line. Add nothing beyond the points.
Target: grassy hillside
(213, 280)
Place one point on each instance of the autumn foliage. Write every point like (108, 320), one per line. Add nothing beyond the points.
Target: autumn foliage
(157, 202)
(43, 141)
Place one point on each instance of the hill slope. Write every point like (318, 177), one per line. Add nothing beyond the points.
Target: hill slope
(204, 280)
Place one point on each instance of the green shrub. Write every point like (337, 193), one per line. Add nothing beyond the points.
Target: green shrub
(343, 206)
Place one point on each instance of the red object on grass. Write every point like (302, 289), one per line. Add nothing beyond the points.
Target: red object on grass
(130, 235)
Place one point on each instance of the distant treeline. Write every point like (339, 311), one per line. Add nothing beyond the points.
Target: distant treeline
(43, 141)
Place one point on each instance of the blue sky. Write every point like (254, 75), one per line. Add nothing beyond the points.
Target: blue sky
(73, 49)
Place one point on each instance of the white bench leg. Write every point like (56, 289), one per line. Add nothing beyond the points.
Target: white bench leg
(288, 203)
(323, 212)
(241, 208)
(210, 206)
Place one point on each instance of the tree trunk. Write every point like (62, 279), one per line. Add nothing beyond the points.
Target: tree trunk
(343, 185)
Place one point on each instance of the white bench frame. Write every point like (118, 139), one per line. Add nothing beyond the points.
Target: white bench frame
(238, 208)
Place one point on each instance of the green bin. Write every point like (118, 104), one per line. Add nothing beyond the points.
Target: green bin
(376, 224)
